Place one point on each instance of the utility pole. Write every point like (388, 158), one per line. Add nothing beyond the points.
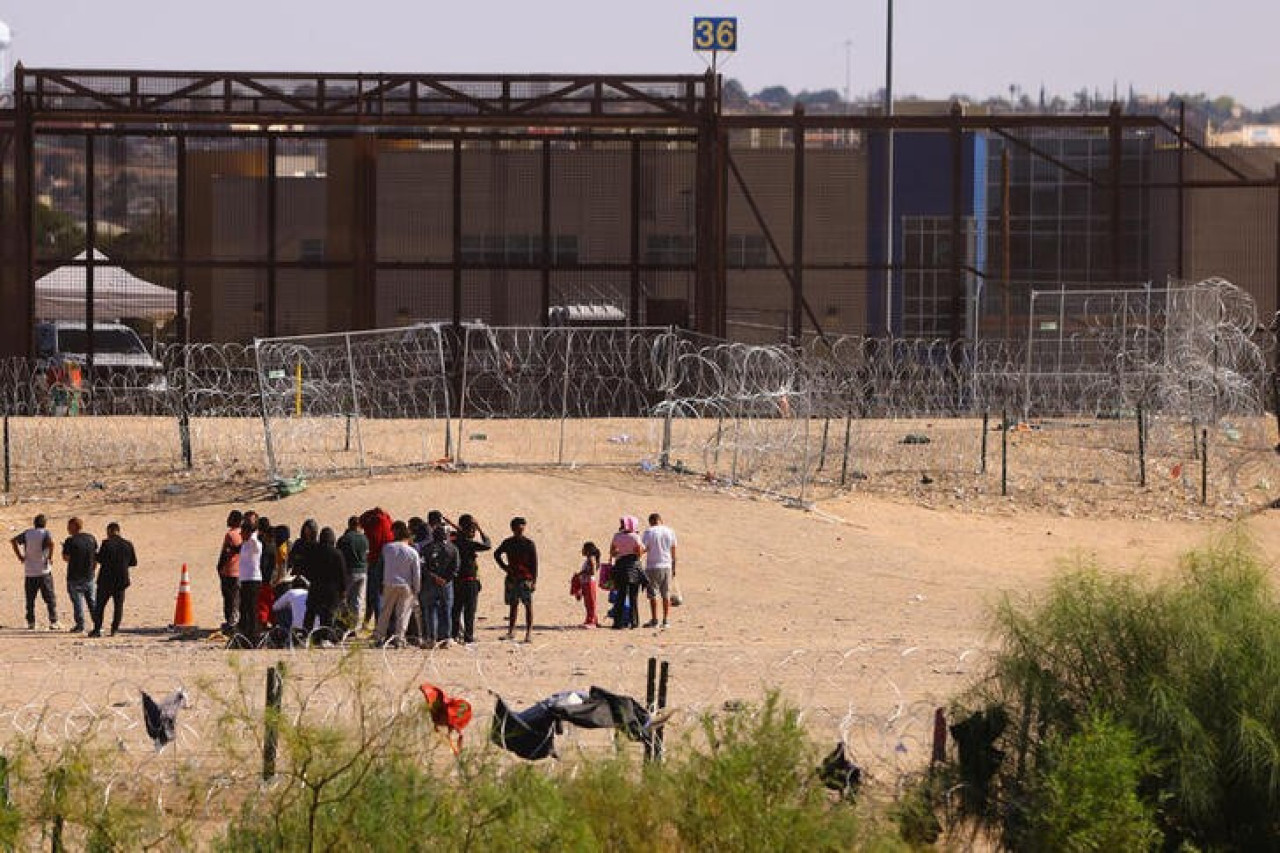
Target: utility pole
(888, 175)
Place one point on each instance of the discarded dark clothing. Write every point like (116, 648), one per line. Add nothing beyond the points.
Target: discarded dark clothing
(162, 719)
(838, 773)
(531, 733)
(979, 759)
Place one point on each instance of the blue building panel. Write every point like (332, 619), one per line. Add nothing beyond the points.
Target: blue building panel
(921, 188)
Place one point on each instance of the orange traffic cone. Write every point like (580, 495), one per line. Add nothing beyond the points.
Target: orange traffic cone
(183, 617)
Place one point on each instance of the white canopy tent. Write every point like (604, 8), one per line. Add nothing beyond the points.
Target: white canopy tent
(117, 293)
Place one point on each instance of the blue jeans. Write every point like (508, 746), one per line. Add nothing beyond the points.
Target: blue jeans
(437, 610)
(373, 590)
(81, 592)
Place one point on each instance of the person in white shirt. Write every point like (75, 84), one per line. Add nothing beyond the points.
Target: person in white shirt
(659, 567)
(250, 580)
(34, 549)
(401, 584)
(292, 606)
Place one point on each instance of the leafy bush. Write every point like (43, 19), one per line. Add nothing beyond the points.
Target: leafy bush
(1190, 667)
(752, 786)
(1088, 796)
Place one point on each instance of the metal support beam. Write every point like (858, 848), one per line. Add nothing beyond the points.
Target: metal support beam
(706, 197)
(545, 261)
(1276, 270)
(1182, 190)
(797, 227)
(773, 247)
(1115, 148)
(633, 307)
(24, 185)
(957, 258)
(1057, 162)
(457, 234)
(364, 217)
(180, 236)
(272, 235)
(91, 248)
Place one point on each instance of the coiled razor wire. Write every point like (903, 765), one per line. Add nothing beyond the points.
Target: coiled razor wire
(797, 421)
(877, 697)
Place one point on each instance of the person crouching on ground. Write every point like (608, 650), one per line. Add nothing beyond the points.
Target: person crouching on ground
(289, 611)
(115, 557)
(401, 584)
(518, 557)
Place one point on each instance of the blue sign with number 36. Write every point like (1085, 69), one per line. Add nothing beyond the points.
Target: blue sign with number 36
(715, 34)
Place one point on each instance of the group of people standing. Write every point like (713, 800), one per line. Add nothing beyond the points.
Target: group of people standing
(413, 579)
(114, 557)
(636, 561)
(418, 580)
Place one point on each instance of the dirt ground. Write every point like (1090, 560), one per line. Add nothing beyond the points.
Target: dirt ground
(866, 612)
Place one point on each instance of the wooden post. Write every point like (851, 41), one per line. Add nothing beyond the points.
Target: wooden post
(1204, 466)
(275, 696)
(650, 695)
(1004, 454)
(848, 425)
(1142, 448)
(986, 421)
(660, 734)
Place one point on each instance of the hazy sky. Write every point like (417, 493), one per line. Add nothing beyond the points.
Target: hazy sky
(978, 47)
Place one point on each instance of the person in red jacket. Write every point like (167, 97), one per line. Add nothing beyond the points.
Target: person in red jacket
(376, 524)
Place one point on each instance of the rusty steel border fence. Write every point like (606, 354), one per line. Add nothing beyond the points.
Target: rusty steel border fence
(501, 197)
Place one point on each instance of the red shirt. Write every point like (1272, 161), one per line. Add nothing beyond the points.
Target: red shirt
(377, 528)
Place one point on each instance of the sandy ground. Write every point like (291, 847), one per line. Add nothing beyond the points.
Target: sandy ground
(866, 612)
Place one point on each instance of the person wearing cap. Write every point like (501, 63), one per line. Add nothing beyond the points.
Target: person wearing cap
(289, 611)
(518, 557)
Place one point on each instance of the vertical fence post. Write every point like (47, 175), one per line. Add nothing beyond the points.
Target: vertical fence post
(986, 425)
(355, 401)
(58, 782)
(275, 696)
(650, 696)
(1142, 447)
(8, 485)
(465, 345)
(665, 457)
(1204, 466)
(804, 462)
(848, 426)
(822, 452)
(564, 392)
(272, 472)
(1004, 453)
(444, 384)
(184, 408)
(659, 736)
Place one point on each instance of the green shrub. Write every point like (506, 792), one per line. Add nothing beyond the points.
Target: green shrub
(754, 787)
(1190, 667)
(1087, 798)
